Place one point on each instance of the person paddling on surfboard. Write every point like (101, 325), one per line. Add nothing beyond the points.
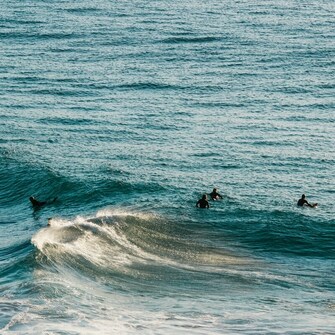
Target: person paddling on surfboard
(215, 195)
(37, 203)
(302, 202)
(203, 203)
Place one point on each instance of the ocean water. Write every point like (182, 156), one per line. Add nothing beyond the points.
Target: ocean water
(127, 112)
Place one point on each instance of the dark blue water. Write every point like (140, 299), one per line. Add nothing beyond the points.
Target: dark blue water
(128, 112)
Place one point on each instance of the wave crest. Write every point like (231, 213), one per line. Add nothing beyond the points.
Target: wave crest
(118, 243)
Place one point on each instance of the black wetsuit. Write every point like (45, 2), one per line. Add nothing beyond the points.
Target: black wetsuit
(215, 195)
(302, 202)
(203, 203)
(37, 203)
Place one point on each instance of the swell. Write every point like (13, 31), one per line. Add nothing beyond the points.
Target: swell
(138, 250)
(22, 178)
(295, 231)
(288, 230)
(14, 251)
(14, 260)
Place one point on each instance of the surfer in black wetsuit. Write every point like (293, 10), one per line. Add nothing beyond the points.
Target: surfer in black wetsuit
(215, 195)
(37, 203)
(302, 202)
(203, 203)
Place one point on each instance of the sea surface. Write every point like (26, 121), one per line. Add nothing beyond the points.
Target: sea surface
(128, 112)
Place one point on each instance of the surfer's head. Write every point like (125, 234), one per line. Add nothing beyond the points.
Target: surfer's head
(204, 197)
(303, 196)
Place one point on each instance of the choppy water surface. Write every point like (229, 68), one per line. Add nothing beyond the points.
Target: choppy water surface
(128, 112)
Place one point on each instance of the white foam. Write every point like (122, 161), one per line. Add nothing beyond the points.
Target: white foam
(121, 212)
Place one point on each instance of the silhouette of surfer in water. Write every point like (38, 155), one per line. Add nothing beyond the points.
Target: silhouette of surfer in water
(203, 203)
(215, 195)
(302, 202)
(37, 204)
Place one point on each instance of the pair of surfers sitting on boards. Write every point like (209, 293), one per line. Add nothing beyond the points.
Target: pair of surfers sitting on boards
(203, 202)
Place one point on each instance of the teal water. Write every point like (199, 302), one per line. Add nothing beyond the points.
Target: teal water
(128, 112)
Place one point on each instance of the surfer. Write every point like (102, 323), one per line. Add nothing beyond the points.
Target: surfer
(203, 203)
(215, 195)
(302, 202)
(37, 203)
